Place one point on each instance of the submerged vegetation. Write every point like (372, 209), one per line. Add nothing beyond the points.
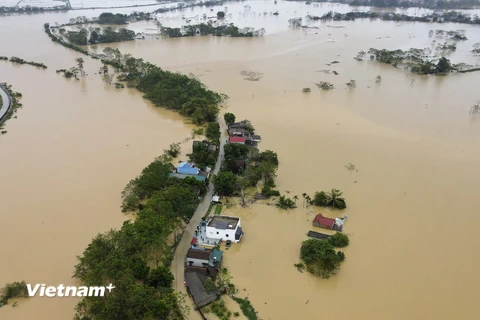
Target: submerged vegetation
(416, 61)
(320, 257)
(13, 290)
(208, 28)
(98, 35)
(332, 199)
(21, 61)
(450, 16)
(324, 85)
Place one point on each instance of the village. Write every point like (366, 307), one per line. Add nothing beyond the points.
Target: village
(204, 258)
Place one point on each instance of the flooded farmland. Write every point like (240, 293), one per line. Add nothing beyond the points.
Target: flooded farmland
(412, 209)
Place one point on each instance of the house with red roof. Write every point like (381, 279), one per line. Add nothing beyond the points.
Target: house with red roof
(328, 223)
(233, 139)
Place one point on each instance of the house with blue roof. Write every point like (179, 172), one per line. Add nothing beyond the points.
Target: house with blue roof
(187, 169)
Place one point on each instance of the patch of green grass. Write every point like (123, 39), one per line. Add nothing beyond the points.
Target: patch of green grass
(218, 209)
(247, 309)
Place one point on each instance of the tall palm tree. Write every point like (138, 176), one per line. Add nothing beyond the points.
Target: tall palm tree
(295, 198)
(309, 200)
(304, 195)
(336, 200)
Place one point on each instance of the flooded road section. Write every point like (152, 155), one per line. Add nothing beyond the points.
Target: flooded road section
(412, 204)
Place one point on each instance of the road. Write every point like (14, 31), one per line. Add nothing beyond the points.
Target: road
(6, 102)
(178, 261)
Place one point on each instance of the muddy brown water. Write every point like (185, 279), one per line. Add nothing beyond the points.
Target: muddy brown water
(412, 203)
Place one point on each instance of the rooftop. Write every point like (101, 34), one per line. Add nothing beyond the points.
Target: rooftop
(324, 221)
(223, 222)
(237, 139)
(201, 254)
(195, 285)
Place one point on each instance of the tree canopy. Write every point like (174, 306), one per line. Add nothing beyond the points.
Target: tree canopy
(225, 182)
(320, 257)
(229, 118)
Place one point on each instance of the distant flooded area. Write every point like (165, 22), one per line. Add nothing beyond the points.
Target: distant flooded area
(413, 139)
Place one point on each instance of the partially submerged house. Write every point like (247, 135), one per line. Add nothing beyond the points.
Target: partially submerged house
(204, 261)
(210, 147)
(328, 223)
(188, 169)
(195, 284)
(224, 228)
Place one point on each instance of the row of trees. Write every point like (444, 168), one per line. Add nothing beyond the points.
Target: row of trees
(21, 61)
(320, 256)
(137, 258)
(105, 35)
(451, 16)
(203, 29)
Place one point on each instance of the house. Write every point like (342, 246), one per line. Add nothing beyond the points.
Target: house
(187, 168)
(233, 139)
(224, 228)
(195, 284)
(204, 261)
(328, 223)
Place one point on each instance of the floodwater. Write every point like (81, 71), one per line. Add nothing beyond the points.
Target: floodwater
(412, 209)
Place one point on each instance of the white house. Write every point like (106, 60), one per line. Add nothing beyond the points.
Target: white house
(224, 228)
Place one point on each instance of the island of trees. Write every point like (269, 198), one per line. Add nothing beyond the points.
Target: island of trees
(320, 257)
(450, 16)
(414, 60)
(209, 29)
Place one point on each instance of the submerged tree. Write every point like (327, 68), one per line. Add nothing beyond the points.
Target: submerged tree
(320, 257)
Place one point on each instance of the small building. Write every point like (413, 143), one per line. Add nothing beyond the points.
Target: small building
(195, 284)
(224, 228)
(328, 223)
(233, 139)
(204, 261)
(187, 168)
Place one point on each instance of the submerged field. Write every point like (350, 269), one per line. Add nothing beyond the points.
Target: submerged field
(411, 205)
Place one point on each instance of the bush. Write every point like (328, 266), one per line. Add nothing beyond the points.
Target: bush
(213, 131)
(286, 203)
(339, 240)
(174, 150)
(306, 90)
(209, 285)
(13, 290)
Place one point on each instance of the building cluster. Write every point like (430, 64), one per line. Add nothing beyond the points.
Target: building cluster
(242, 132)
(204, 260)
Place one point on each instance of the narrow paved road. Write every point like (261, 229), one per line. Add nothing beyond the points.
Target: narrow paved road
(6, 102)
(178, 261)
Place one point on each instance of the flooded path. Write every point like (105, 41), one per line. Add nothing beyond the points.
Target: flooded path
(412, 204)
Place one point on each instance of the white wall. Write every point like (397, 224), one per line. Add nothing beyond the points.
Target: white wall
(225, 235)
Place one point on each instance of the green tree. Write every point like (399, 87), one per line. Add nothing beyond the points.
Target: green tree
(339, 240)
(220, 14)
(229, 118)
(443, 65)
(285, 203)
(320, 257)
(269, 156)
(335, 199)
(225, 182)
(320, 199)
(160, 277)
(235, 151)
(213, 131)
(209, 285)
